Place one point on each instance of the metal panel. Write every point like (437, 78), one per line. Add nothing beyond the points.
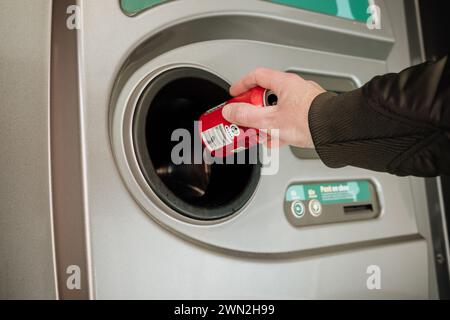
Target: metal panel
(257, 253)
(67, 157)
(260, 213)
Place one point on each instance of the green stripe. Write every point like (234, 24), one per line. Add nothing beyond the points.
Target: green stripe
(135, 6)
(348, 9)
(331, 192)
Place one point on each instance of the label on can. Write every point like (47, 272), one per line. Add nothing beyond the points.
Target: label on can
(216, 137)
(217, 133)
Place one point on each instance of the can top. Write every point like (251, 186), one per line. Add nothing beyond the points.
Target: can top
(270, 98)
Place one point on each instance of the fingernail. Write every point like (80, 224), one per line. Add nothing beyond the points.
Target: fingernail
(226, 111)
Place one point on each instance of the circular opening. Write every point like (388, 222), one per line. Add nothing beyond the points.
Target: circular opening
(175, 100)
(272, 99)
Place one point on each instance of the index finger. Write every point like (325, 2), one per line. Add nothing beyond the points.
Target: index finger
(262, 77)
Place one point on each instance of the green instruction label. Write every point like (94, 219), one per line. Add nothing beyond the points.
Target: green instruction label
(347, 9)
(331, 193)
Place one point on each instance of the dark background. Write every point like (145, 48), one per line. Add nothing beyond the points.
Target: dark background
(435, 20)
(435, 17)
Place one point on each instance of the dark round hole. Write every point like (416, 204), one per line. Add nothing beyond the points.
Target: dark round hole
(272, 99)
(173, 100)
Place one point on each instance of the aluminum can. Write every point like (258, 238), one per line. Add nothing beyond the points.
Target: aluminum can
(223, 138)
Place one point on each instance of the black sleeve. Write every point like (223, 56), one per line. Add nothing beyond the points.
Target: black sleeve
(396, 123)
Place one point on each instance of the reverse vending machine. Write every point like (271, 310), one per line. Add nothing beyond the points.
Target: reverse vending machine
(122, 75)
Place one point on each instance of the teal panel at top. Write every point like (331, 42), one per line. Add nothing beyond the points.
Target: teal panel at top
(136, 6)
(348, 9)
(323, 6)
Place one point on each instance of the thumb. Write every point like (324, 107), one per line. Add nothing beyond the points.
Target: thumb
(248, 115)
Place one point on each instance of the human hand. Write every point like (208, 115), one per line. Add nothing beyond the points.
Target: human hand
(289, 116)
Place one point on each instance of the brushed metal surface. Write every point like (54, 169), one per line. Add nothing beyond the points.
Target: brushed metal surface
(139, 248)
(263, 213)
(257, 253)
(67, 157)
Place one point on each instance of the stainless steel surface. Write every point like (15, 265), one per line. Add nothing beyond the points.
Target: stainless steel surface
(438, 235)
(68, 158)
(26, 244)
(257, 244)
(264, 210)
(110, 224)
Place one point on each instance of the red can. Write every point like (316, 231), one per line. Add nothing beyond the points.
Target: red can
(222, 137)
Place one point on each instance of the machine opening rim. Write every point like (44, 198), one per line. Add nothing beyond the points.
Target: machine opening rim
(221, 204)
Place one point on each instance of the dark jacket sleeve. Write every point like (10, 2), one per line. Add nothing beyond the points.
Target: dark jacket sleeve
(396, 123)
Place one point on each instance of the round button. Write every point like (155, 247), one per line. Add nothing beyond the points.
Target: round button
(235, 130)
(298, 209)
(315, 208)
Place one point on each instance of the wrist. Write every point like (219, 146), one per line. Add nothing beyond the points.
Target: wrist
(309, 141)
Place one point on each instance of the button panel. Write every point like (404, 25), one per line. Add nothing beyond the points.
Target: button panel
(316, 203)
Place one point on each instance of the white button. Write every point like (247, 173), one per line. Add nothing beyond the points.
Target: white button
(315, 208)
